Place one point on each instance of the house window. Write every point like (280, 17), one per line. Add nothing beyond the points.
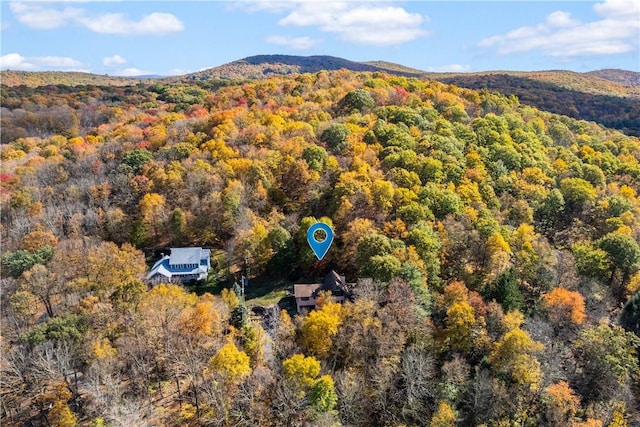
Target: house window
(305, 298)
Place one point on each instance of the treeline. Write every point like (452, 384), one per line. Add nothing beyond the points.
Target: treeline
(494, 246)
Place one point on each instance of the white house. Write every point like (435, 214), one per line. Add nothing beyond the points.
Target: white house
(182, 265)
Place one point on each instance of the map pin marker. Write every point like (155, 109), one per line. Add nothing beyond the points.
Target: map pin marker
(320, 247)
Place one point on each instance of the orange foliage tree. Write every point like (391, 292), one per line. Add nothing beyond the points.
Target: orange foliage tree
(565, 307)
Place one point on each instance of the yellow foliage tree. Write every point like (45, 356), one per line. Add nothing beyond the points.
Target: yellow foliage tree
(55, 398)
(202, 320)
(618, 419)
(319, 327)
(590, 422)
(103, 349)
(301, 369)
(513, 355)
(230, 297)
(162, 306)
(231, 362)
(110, 268)
(459, 323)
(152, 211)
(444, 416)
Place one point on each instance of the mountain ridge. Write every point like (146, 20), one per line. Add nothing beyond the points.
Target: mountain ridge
(609, 97)
(261, 66)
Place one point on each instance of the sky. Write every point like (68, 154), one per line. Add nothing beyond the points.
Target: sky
(128, 38)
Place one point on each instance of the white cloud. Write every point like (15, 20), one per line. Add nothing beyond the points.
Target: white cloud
(36, 16)
(43, 17)
(451, 68)
(118, 23)
(15, 61)
(131, 72)
(114, 61)
(618, 31)
(297, 43)
(362, 23)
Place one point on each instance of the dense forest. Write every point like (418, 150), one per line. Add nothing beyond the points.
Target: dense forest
(611, 110)
(493, 249)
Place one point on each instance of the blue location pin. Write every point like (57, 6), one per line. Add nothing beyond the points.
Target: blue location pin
(320, 248)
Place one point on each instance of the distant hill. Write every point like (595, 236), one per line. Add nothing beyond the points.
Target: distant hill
(609, 97)
(261, 66)
(593, 82)
(67, 78)
(625, 77)
(581, 96)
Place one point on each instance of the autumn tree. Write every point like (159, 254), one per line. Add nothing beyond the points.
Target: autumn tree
(152, 212)
(231, 363)
(55, 399)
(444, 416)
(561, 404)
(514, 354)
(564, 307)
(319, 328)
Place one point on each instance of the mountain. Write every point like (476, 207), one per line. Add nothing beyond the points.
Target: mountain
(395, 68)
(609, 97)
(261, 66)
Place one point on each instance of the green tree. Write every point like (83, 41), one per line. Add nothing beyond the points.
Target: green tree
(177, 225)
(624, 257)
(427, 245)
(359, 100)
(549, 213)
(630, 316)
(16, 263)
(590, 261)
(335, 136)
(135, 159)
(577, 192)
(316, 157)
(508, 292)
(323, 396)
(382, 268)
(69, 327)
(608, 356)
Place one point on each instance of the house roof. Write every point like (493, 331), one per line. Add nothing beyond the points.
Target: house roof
(186, 256)
(304, 291)
(333, 282)
(180, 263)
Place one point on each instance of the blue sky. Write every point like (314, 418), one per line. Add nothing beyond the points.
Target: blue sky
(165, 37)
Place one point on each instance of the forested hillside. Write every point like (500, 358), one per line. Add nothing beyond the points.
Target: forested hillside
(493, 246)
(609, 97)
